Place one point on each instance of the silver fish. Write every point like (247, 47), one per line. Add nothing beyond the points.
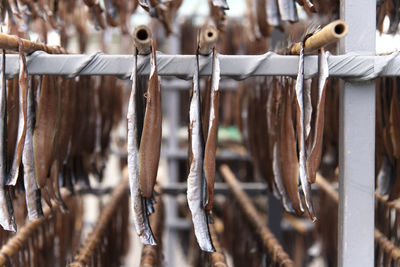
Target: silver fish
(33, 199)
(23, 85)
(272, 13)
(305, 185)
(140, 219)
(196, 179)
(287, 10)
(6, 219)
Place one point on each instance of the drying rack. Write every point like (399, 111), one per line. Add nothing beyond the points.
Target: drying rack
(357, 64)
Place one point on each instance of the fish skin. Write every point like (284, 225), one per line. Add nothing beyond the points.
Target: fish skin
(195, 178)
(150, 144)
(314, 158)
(139, 215)
(301, 132)
(212, 137)
(6, 219)
(23, 85)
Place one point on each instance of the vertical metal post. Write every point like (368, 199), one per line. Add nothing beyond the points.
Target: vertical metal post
(275, 217)
(357, 143)
(173, 119)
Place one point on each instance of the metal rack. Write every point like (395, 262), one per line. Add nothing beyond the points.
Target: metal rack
(357, 63)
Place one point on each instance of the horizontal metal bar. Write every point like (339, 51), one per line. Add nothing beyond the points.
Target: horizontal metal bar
(219, 188)
(221, 155)
(182, 66)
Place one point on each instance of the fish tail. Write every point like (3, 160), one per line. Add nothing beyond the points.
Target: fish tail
(147, 236)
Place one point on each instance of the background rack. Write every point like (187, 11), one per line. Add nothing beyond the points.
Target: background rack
(356, 118)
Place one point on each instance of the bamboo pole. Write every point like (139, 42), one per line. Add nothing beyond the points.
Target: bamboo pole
(20, 239)
(208, 37)
(142, 40)
(331, 33)
(10, 42)
(85, 253)
(268, 239)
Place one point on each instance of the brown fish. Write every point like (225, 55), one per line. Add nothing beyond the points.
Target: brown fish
(23, 85)
(314, 157)
(212, 137)
(287, 150)
(45, 130)
(6, 217)
(149, 151)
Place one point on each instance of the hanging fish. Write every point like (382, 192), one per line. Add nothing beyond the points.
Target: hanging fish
(274, 103)
(212, 137)
(23, 86)
(112, 13)
(287, 10)
(314, 157)
(217, 13)
(139, 211)
(44, 135)
(288, 162)
(150, 144)
(196, 182)
(301, 133)
(96, 10)
(6, 218)
(32, 192)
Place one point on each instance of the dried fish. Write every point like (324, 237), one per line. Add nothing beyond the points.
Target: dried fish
(272, 13)
(23, 85)
(287, 10)
(314, 157)
(288, 161)
(301, 133)
(273, 105)
(196, 188)
(139, 212)
(212, 138)
(217, 12)
(44, 136)
(32, 192)
(150, 144)
(6, 219)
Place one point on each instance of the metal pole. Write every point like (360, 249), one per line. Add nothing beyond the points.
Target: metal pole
(357, 143)
(173, 167)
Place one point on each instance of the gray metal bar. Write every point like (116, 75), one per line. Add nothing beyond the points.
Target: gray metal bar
(235, 66)
(219, 188)
(221, 155)
(357, 143)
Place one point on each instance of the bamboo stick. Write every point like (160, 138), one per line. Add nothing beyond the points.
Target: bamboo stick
(20, 239)
(92, 242)
(327, 188)
(268, 239)
(142, 40)
(10, 42)
(331, 33)
(208, 37)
